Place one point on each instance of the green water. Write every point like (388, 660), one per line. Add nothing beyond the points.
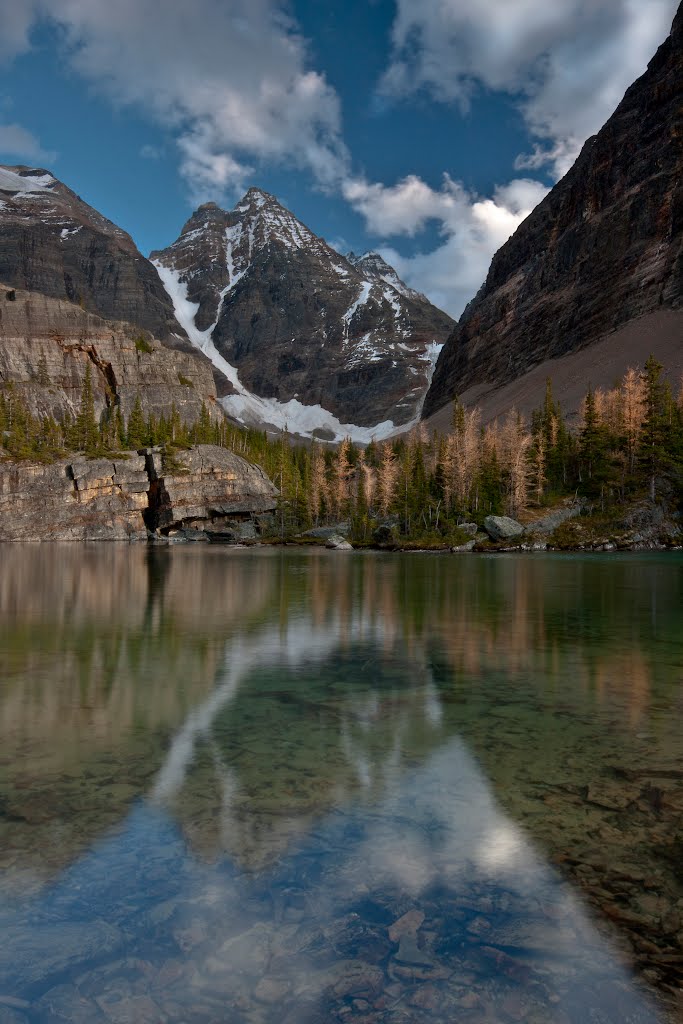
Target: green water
(306, 787)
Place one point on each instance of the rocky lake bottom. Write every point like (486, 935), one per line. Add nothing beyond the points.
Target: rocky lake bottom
(301, 787)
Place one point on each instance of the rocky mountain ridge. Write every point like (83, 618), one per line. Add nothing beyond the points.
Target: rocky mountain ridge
(294, 324)
(53, 243)
(601, 251)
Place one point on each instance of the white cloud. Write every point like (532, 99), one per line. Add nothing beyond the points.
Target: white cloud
(17, 142)
(229, 78)
(567, 62)
(15, 21)
(473, 229)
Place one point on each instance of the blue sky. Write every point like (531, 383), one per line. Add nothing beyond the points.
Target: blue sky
(425, 130)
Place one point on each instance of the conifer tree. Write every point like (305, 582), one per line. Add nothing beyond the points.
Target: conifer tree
(137, 429)
(593, 447)
(87, 430)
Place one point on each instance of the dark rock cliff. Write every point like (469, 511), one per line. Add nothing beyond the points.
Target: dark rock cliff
(603, 248)
(297, 319)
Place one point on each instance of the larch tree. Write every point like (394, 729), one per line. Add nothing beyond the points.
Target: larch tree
(387, 478)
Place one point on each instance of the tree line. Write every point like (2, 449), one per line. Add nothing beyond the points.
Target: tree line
(628, 443)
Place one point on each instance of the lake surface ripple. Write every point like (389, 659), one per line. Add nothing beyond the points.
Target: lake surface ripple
(288, 787)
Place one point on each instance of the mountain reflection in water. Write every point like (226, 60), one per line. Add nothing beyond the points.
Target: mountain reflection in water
(274, 786)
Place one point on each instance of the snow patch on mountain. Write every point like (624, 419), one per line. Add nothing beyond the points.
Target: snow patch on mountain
(233, 237)
(375, 267)
(306, 420)
(10, 181)
(366, 288)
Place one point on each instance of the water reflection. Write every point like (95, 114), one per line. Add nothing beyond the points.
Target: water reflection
(324, 777)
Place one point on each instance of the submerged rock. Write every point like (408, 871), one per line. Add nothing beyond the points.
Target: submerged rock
(31, 958)
(64, 1003)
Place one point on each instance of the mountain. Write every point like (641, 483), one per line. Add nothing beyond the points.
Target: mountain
(53, 243)
(602, 253)
(374, 268)
(306, 336)
(75, 291)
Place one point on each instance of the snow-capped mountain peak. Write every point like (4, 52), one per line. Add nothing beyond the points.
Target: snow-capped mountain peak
(288, 319)
(14, 180)
(376, 268)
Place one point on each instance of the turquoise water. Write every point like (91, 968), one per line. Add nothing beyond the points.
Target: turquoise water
(305, 787)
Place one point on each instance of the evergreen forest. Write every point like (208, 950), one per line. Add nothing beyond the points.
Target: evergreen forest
(627, 445)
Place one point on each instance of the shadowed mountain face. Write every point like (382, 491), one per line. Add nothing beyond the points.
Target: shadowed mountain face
(298, 320)
(604, 248)
(53, 243)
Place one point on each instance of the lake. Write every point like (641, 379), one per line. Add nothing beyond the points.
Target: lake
(300, 787)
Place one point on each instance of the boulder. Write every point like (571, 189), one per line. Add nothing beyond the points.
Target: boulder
(502, 527)
(468, 528)
(338, 543)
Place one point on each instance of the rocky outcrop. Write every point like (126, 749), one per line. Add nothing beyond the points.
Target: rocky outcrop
(551, 521)
(53, 243)
(299, 321)
(604, 248)
(203, 487)
(123, 497)
(46, 344)
(83, 499)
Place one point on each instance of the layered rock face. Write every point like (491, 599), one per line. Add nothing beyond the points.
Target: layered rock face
(297, 320)
(203, 487)
(123, 497)
(94, 499)
(53, 243)
(603, 248)
(46, 345)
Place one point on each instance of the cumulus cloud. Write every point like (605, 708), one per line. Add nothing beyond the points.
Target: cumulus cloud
(18, 143)
(567, 63)
(473, 229)
(230, 80)
(16, 21)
